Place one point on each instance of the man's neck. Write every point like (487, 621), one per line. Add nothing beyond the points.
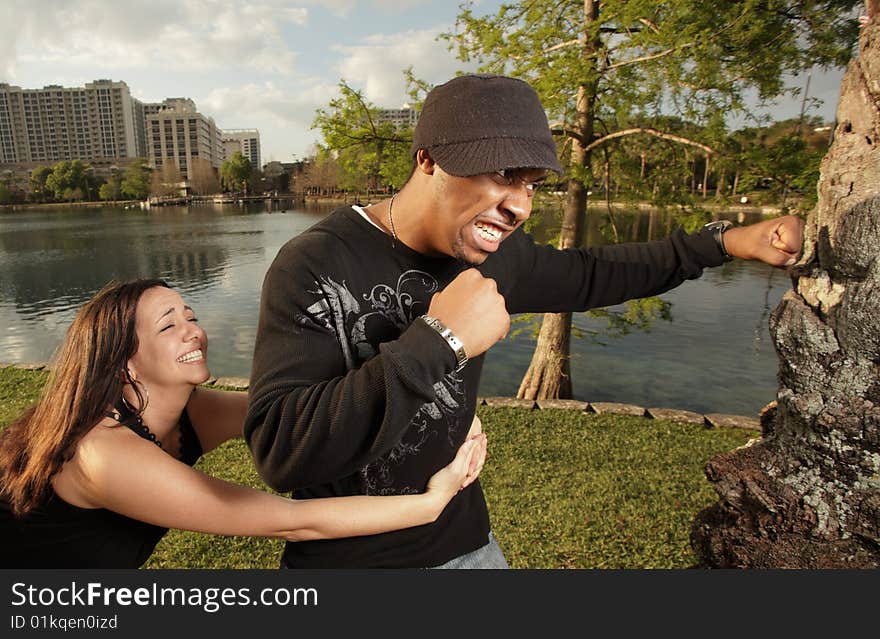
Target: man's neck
(405, 215)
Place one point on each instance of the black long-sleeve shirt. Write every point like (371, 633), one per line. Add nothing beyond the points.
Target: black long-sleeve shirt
(351, 393)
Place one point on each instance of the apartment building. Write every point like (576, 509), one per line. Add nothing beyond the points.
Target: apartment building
(102, 124)
(245, 140)
(405, 117)
(100, 121)
(176, 132)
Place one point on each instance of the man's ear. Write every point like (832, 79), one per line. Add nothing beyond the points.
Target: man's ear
(424, 162)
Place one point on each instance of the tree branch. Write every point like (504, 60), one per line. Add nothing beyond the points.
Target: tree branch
(562, 45)
(364, 106)
(659, 134)
(561, 128)
(653, 27)
(644, 58)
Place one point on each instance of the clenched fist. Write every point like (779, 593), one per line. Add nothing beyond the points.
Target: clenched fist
(777, 242)
(473, 309)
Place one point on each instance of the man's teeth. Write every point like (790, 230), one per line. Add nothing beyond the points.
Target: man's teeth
(488, 232)
(190, 357)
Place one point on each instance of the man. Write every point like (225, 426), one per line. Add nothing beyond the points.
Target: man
(373, 323)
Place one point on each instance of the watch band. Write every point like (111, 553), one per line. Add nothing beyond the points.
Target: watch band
(718, 228)
(455, 344)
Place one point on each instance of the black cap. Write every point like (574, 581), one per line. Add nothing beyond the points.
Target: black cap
(482, 123)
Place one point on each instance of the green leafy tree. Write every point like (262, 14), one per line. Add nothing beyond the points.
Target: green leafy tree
(371, 154)
(610, 69)
(135, 183)
(111, 189)
(235, 173)
(69, 180)
(784, 157)
(39, 191)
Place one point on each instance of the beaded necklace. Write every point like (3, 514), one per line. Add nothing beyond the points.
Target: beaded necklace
(125, 415)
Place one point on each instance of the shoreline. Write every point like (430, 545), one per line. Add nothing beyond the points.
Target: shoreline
(543, 198)
(708, 420)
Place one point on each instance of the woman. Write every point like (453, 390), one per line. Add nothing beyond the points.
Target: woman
(101, 467)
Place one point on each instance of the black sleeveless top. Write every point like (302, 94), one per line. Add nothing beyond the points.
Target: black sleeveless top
(57, 534)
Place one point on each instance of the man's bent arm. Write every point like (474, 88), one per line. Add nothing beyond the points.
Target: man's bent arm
(311, 419)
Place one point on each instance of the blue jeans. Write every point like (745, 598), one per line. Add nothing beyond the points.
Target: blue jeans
(488, 556)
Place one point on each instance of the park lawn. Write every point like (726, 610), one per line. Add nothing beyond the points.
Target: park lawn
(565, 489)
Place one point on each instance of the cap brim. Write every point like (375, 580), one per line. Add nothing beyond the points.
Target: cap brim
(494, 154)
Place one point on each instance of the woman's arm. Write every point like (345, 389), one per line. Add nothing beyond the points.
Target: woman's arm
(133, 477)
(217, 416)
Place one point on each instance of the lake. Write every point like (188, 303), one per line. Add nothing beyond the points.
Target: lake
(714, 355)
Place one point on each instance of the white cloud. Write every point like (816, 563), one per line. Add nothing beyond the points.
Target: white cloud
(285, 114)
(201, 34)
(377, 65)
(340, 8)
(398, 5)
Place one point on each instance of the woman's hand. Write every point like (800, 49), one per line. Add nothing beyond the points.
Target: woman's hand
(464, 469)
(478, 460)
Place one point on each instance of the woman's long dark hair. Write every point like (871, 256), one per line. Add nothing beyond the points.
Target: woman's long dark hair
(86, 379)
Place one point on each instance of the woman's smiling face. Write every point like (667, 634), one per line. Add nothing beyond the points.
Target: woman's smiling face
(172, 347)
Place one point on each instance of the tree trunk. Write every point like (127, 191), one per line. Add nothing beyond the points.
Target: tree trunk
(548, 375)
(719, 187)
(706, 177)
(693, 171)
(808, 494)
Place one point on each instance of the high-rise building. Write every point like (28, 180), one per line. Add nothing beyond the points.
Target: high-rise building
(102, 124)
(245, 140)
(405, 116)
(176, 132)
(100, 121)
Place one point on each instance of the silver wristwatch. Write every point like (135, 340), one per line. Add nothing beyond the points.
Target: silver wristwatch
(718, 228)
(454, 343)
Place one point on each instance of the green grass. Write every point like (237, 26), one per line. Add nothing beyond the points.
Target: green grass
(565, 489)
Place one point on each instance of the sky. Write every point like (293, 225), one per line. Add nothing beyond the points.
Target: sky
(264, 64)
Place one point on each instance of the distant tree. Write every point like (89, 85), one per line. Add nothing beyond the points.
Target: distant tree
(320, 174)
(69, 180)
(111, 189)
(136, 180)
(257, 181)
(203, 177)
(782, 157)
(39, 191)
(165, 182)
(5, 194)
(73, 194)
(370, 153)
(235, 173)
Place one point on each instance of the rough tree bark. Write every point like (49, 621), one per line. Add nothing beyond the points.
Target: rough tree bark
(808, 494)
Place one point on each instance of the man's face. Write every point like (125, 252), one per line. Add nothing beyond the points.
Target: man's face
(475, 214)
